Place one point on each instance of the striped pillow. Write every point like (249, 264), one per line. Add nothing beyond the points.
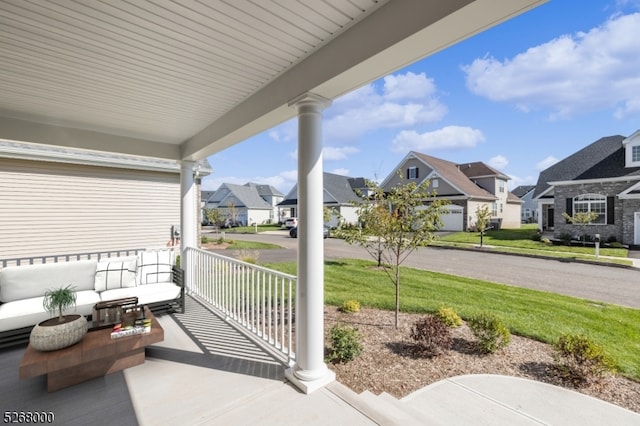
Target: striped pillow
(115, 274)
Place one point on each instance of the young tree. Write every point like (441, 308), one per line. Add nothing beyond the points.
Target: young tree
(213, 216)
(394, 225)
(581, 219)
(483, 218)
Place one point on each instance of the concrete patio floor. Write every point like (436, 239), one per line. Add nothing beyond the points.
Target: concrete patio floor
(208, 373)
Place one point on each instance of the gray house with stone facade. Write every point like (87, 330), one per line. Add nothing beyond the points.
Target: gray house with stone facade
(603, 177)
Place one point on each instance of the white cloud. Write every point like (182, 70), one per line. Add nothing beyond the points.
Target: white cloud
(340, 171)
(397, 101)
(516, 181)
(572, 74)
(404, 100)
(408, 86)
(450, 137)
(332, 153)
(498, 162)
(546, 163)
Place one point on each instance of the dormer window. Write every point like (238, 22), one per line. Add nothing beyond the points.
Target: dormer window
(412, 173)
(632, 150)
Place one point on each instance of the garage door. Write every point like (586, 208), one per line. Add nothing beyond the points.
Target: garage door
(452, 219)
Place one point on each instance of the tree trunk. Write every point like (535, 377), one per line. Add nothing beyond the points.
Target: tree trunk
(397, 295)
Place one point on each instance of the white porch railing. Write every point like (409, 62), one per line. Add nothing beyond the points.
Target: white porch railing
(257, 299)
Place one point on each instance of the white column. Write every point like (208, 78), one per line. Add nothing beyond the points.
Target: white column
(188, 212)
(310, 372)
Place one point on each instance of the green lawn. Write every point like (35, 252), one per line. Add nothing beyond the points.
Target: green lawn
(538, 315)
(251, 245)
(521, 239)
(250, 229)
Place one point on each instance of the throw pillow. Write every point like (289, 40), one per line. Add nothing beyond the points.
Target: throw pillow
(155, 267)
(115, 274)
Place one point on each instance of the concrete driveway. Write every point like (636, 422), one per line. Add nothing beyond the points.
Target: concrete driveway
(620, 286)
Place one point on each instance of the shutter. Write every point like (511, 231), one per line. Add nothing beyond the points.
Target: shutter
(417, 169)
(407, 172)
(569, 209)
(610, 211)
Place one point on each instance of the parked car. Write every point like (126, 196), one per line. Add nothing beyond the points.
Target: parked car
(293, 233)
(230, 223)
(291, 222)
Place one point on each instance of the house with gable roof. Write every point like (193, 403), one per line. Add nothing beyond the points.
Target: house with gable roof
(529, 207)
(466, 186)
(603, 177)
(246, 204)
(339, 194)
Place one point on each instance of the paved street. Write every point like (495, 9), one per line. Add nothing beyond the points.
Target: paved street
(620, 286)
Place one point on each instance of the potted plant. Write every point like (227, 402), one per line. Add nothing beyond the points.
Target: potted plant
(58, 300)
(61, 330)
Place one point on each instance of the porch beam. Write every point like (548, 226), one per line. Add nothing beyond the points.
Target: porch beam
(310, 373)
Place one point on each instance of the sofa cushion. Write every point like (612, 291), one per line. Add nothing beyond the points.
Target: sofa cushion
(155, 267)
(149, 293)
(116, 273)
(28, 312)
(27, 281)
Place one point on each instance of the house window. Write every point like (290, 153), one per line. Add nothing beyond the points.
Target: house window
(635, 153)
(494, 209)
(412, 173)
(434, 183)
(591, 203)
(501, 186)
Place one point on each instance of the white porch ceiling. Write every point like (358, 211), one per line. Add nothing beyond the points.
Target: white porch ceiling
(183, 79)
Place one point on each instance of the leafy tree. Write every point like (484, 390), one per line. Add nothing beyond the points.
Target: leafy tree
(395, 224)
(483, 218)
(213, 216)
(581, 219)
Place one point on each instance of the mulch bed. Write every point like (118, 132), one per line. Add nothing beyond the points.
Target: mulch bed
(390, 363)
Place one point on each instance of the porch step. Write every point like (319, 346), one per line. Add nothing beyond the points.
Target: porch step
(383, 409)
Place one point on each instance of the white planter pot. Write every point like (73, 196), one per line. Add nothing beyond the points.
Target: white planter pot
(50, 335)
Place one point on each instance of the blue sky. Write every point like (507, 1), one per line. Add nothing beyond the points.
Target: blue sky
(519, 97)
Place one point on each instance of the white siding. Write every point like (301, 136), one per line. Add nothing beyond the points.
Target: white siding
(54, 208)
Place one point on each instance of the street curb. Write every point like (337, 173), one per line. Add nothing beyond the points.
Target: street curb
(537, 256)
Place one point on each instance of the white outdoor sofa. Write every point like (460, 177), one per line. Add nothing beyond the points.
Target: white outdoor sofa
(151, 276)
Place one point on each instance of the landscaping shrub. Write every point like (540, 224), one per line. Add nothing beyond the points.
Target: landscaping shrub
(350, 306)
(344, 343)
(490, 331)
(249, 256)
(580, 361)
(449, 316)
(566, 238)
(431, 335)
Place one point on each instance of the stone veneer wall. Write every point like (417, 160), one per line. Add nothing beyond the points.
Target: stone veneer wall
(622, 229)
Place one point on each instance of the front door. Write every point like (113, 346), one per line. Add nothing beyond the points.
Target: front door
(636, 228)
(550, 213)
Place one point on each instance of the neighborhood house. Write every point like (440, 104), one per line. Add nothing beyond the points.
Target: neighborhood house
(466, 186)
(604, 178)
